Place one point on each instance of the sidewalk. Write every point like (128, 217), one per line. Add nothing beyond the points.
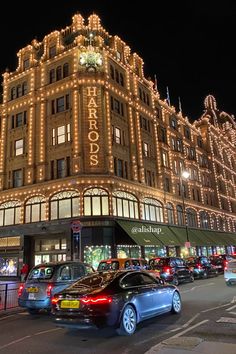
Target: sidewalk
(191, 345)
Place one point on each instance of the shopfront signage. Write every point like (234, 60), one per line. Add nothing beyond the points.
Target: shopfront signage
(93, 131)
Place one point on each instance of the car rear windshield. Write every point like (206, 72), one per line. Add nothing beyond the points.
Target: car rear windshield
(159, 262)
(41, 273)
(98, 280)
(109, 265)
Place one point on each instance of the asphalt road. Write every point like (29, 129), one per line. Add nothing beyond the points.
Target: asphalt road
(209, 312)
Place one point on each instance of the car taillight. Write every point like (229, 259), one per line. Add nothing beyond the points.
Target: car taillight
(97, 300)
(55, 300)
(49, 290)
(225, 268)
(20, 290)
(166, 270)
(199, 266)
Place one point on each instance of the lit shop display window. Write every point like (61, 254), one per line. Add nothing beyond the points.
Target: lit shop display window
(128, 251)
(94, 254)
(154, 251)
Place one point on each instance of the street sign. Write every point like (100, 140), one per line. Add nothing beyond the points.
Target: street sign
(187, 244)
(76, 226)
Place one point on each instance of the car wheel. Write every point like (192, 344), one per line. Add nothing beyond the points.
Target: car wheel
(216, 273)
(175, 280)
(176, 303)
(128, 322)
(191, 279)
(228, 283)
(204, 275)
(33, 311)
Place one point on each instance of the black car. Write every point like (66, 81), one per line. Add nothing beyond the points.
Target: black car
(201, 267)
(172, 269)
(220, 261)
(120, 299)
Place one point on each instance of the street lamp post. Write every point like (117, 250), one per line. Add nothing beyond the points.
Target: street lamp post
(185, 175)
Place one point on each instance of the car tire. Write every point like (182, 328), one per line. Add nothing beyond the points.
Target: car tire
(128, 321)
(33, 311)
(176, 303)
(204, 275)
(175, 280)
(228, 283)
(191, 279)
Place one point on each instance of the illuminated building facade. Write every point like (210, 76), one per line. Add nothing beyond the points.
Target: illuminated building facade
(85, 136)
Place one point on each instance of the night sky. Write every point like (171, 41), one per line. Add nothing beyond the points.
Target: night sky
(189, 45)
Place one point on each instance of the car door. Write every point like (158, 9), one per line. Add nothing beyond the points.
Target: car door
(182, 270)
(140, 292)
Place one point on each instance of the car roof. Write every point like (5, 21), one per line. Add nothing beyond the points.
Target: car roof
(122, 259)
(51, 264)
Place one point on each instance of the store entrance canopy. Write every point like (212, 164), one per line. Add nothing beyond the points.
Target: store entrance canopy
(139, 233)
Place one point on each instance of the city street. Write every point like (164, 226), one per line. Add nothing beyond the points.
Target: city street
(209, 312)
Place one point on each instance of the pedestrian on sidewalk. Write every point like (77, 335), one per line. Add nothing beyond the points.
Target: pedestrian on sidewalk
(24, 271)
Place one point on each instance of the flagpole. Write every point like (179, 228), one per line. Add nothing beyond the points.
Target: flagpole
(168, 95)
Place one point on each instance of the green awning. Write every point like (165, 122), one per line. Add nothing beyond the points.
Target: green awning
(180, 233)
(140, 233)
(223, 238)
(199, 238)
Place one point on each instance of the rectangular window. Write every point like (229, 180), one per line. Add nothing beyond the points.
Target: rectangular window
(61, 134)
(162, 137)
(19, 147)
(117, 135)
(68, 166)
(115, 166)
(52, 169)
(19, 119)
(61, 168)
(146, 150)
(126, 170)
(120, 168)
(52, 51)
(26, 64)
(164, 159)
(68, 132)
(116, 106)
(53, 136)
(17, 178)
(60, 104)
(167, 184)
(149, 178)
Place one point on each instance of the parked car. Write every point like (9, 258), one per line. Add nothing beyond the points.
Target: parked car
(172, 269)
(120, 299)
(127, 263)
(221, 260)
(44, 280)
(201, 267)
(230, 272)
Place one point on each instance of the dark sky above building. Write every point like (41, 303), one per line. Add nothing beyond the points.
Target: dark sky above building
(188, 44)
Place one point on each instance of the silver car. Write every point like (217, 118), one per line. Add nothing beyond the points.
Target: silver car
(230, 272)
(44, 280)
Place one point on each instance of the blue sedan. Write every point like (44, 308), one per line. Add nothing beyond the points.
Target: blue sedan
(120, 299)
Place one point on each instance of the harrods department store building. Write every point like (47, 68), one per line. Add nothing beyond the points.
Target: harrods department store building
(86, 137)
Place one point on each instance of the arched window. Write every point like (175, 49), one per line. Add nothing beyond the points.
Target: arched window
(96, 202)
(65, 70)
(180, 215)
(18, 91)
(152, 210)
(10, 213)
(51, 76)
(64, 205)
(24, 88)
(191, 217)
(170, 213)
(204, 220)
(221, 223)
(35, 209)
(58, 73)
(13, 93)
(125, 204)
(213, 222)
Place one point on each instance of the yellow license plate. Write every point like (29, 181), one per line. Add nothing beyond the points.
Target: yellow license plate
(32, 290)
(69, 304)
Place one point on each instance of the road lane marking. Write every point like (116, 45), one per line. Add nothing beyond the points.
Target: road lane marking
(49, 330)
(214, 308)
(3, 318)
(195, 287)
(227, 320)
(185, 324)
(14, 342)
(27, 337)
(231, 308)
(189, 329)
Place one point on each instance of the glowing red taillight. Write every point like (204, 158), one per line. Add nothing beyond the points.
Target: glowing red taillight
(49, 290)
(20, 290)
(55, 300)
(199, 266)
(166, 270)
(97, 300)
